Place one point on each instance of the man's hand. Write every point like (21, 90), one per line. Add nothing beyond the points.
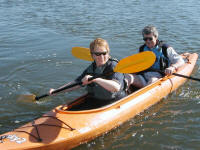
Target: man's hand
(170, 70)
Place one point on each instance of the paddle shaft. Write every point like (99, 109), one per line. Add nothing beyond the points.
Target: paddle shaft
(58, 90)
(176, 74)
(69, 86)
(180, 75)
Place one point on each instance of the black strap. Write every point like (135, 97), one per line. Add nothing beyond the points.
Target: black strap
(164, 47)
(107, 68)
(141, 49)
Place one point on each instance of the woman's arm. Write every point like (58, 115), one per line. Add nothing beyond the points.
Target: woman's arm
(110, 85)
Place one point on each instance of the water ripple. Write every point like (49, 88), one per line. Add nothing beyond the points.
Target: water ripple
(36, 39)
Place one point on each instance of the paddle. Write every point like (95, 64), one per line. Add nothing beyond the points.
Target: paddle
(176, 74)
(131, 64)
(84, 53)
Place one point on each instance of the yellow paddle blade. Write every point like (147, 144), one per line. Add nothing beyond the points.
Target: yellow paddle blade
(82, 53)
(136, 63)
(26, 98)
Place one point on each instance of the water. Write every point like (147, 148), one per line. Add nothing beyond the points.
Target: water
(36, 38)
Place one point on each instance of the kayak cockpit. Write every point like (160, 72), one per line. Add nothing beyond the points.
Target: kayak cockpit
(85, 104)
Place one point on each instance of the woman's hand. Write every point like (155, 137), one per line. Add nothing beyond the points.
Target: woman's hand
(85, 80)
(170, 70)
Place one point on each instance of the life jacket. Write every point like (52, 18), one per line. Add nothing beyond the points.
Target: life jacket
(97, 91)
(162, 60)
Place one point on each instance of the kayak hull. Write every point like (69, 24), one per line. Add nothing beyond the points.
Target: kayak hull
(63, 129)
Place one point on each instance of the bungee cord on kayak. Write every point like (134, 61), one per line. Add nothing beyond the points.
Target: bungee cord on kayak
(35, 126)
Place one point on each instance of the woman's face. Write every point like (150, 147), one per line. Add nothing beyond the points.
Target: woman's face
(150, 40)
(100, 55)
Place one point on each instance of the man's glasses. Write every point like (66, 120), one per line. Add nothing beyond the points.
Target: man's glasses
(147, 38)
(99, 53)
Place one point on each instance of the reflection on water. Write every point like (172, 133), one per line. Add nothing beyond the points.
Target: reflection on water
(36, 38)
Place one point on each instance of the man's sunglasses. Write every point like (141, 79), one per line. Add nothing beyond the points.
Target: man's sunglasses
(99, 53)
(147, 38)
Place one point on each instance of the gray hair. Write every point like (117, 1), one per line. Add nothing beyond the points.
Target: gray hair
(150, 29)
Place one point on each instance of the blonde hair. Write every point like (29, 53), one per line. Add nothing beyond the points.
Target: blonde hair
(99, 42)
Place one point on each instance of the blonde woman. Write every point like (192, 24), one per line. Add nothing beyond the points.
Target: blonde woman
(108, 88)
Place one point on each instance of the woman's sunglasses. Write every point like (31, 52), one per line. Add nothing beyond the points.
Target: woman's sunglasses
(147, 38)
(99, 53)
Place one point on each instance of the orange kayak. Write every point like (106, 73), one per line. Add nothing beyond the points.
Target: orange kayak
(64, 128)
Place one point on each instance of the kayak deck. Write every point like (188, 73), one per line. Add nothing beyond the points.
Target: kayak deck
(65, 129)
